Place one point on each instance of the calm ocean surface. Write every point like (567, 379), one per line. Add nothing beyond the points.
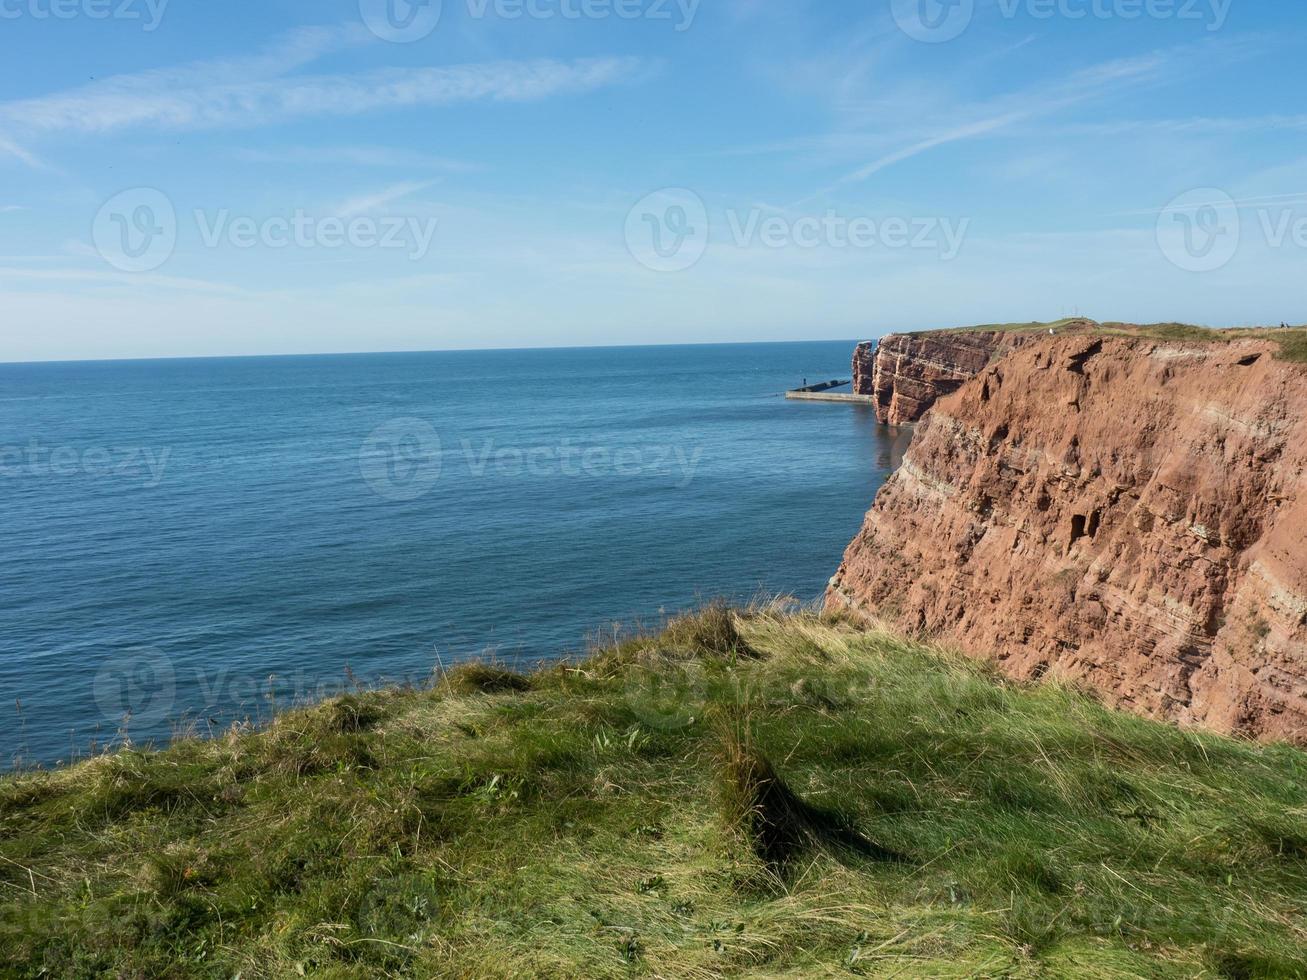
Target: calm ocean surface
(179, 532)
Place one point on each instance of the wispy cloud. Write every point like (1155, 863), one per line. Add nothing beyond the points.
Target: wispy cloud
(8, 148)
(1025, 105)
(1263, 201)
(355, 156)
(893, 129)
(980, 127)
(1195, 126)
(377, 200)
(103, 277)
(260, 90)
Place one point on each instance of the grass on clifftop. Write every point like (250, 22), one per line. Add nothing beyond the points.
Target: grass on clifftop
(757, 795)
(1293, 342)
(1034, 326)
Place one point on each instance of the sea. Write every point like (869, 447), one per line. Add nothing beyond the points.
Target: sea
(189, 543)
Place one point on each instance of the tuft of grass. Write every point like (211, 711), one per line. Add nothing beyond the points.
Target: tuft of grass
(778, 825)
(743, 793)
(478, 678)
(711, 630)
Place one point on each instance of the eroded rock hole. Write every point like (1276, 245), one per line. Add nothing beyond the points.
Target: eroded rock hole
(1084, 526)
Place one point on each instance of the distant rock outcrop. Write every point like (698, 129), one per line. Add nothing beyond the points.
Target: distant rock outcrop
(908, 373)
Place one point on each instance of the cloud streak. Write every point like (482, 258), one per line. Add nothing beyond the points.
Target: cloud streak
(1024, 106)
(259, 91)
(11, 149)
(369, 203)
(355, 156)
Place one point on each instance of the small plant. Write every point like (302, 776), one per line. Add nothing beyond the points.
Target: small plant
(479, 678)
(711, 630)
(630, 949)
(778, 824)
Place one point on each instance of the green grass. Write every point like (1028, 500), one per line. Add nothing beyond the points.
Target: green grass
(1293, 342)
(1179, 332)
(1034, 326)
(765, 794)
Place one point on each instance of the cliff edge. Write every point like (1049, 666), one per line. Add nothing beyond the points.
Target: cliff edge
(908, 372)
(1124, 512)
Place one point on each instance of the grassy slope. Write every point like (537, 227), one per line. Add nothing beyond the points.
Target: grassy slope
(1293, 343)
(595, 821)
(1034, 326)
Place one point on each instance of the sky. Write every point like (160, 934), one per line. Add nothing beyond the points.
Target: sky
(185, 178)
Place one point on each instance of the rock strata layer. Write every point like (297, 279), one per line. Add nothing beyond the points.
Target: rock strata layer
(907, 373)
(1124, 513)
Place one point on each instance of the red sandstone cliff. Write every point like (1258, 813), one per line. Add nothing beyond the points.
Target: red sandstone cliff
(908, 373)
(1127, 513)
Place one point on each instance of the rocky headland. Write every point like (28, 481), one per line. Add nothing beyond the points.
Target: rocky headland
(1111, 508)
(907, 373)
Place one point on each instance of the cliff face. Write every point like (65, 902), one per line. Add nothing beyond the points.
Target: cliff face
(908, 373)
(864, 368)
(1123, 512)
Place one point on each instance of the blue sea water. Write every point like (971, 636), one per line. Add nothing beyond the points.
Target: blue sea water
(197, 541)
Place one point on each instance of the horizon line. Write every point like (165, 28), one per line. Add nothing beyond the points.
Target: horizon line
(435, 350)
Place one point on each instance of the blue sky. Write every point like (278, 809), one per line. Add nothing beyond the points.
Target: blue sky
(186, 178)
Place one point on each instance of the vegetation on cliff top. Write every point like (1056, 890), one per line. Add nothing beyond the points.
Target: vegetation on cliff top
(760, 794)
(1293, 342)
(1034, 326)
